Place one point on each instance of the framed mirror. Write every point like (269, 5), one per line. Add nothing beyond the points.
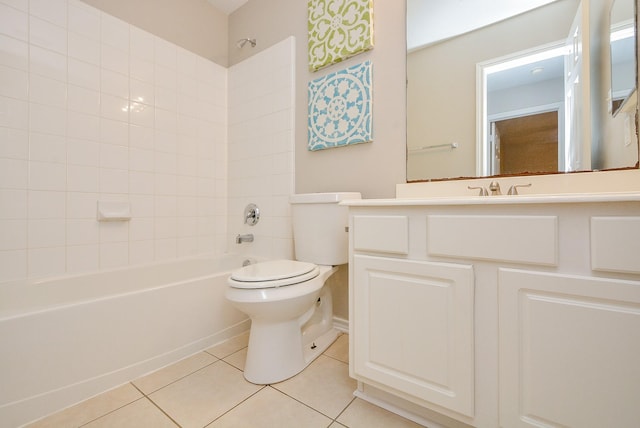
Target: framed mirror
(622, 45)
(448, 109)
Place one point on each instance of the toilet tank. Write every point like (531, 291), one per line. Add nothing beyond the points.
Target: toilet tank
(319, 227)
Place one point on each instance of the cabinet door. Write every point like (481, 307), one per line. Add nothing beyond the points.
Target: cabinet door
(569, 351)
(413, 329)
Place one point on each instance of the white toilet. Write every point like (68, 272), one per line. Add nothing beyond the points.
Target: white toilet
(291, 310)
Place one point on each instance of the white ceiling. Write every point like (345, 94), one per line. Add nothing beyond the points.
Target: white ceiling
(429, 21)
(227, 6)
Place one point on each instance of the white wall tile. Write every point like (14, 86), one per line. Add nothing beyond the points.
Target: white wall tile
(14, 143)
(13, 265)
(82, 258)
(14, 83)
(46, 233)
(113, 156)
(114, 132)
(14, 234)
(47, 35)
(114, 32)
(82, 232)
(14, 53)
(141, 137)
(47, 204)
(114, 108)
(47, 91)
(84, 19)
(84, 74)
(141, 252)
(114, 59)
(13, 204)
(47, 120)
(14, 22)
(54, 11)
(115, 84)
(113, 181)
(165, 53)
(141, 183)
(83, 100)
(47, 176)
(142, 70)
(82, 205)
(47, 148)
(114, 254)
(142, 229)
(82, 178)
(83, 126)
(141, 92)
(79, 123)
(44, 262)
(14, 113)
(113, 231)
(142, 44)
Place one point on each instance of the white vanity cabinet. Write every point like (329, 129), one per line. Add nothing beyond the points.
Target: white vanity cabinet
(498, 313)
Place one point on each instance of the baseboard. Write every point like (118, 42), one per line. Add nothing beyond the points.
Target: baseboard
(341, 324)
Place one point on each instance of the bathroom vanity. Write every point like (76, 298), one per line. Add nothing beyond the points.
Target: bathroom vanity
(499, 311)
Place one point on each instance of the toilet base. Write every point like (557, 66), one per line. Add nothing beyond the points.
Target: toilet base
(269, 362)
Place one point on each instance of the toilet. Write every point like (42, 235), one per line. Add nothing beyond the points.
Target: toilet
(290, 308)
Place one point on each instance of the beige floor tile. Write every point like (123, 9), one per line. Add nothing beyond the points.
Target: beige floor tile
(139, 414)
(172, 373)
(324, 385)
(230, 346)
(339, 349)
(271, 408)
(238, 359)
(91, 409)
(337, 425)
(361, 414)
(203, 396)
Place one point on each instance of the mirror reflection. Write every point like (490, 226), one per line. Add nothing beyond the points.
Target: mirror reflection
(533, 93)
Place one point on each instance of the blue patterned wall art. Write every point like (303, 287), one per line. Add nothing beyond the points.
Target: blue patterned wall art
(340, 108)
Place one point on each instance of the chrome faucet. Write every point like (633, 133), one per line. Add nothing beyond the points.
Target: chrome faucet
(244, 238)
(494, 188)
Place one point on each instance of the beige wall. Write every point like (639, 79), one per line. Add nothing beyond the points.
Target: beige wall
(372, 169)
(192, 24)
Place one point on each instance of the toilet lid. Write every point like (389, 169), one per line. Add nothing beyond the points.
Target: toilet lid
(274, 273)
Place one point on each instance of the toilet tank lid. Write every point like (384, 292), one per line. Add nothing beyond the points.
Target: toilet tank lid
(323, 198)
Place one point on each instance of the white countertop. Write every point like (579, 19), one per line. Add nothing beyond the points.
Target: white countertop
(499, 200)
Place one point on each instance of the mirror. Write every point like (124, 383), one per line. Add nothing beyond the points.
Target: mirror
(447, 117)
(622, 43)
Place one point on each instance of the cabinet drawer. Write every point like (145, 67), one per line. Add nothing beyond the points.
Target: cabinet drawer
(385, 234)
(615, 244)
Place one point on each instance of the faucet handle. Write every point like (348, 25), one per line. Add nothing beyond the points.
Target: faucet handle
(483, 191)
(513, 190)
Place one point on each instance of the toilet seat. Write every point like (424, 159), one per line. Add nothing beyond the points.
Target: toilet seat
(272, 274)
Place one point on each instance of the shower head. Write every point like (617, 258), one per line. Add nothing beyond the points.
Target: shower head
(240, 43)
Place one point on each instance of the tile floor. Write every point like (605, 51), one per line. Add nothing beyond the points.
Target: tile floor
(208, 390)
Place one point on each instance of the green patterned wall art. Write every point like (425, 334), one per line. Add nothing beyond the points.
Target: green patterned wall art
(340, 108)
(338, 29)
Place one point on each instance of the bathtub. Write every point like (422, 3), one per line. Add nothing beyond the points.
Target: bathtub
(63, 340)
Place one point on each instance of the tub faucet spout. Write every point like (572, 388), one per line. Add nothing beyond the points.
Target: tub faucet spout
(244, 238)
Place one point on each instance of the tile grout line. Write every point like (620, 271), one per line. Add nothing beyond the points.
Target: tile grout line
(156, 405)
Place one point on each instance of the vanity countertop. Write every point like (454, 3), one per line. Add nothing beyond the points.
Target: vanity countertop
(500, 200)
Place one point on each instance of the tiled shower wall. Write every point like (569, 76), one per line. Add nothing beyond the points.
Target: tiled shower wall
(92, 109)
(261, 149)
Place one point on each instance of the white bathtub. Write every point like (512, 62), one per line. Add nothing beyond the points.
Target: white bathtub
(66, 339)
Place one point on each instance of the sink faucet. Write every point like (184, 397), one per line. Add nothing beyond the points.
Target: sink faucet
(244, 238)
(494, 188)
